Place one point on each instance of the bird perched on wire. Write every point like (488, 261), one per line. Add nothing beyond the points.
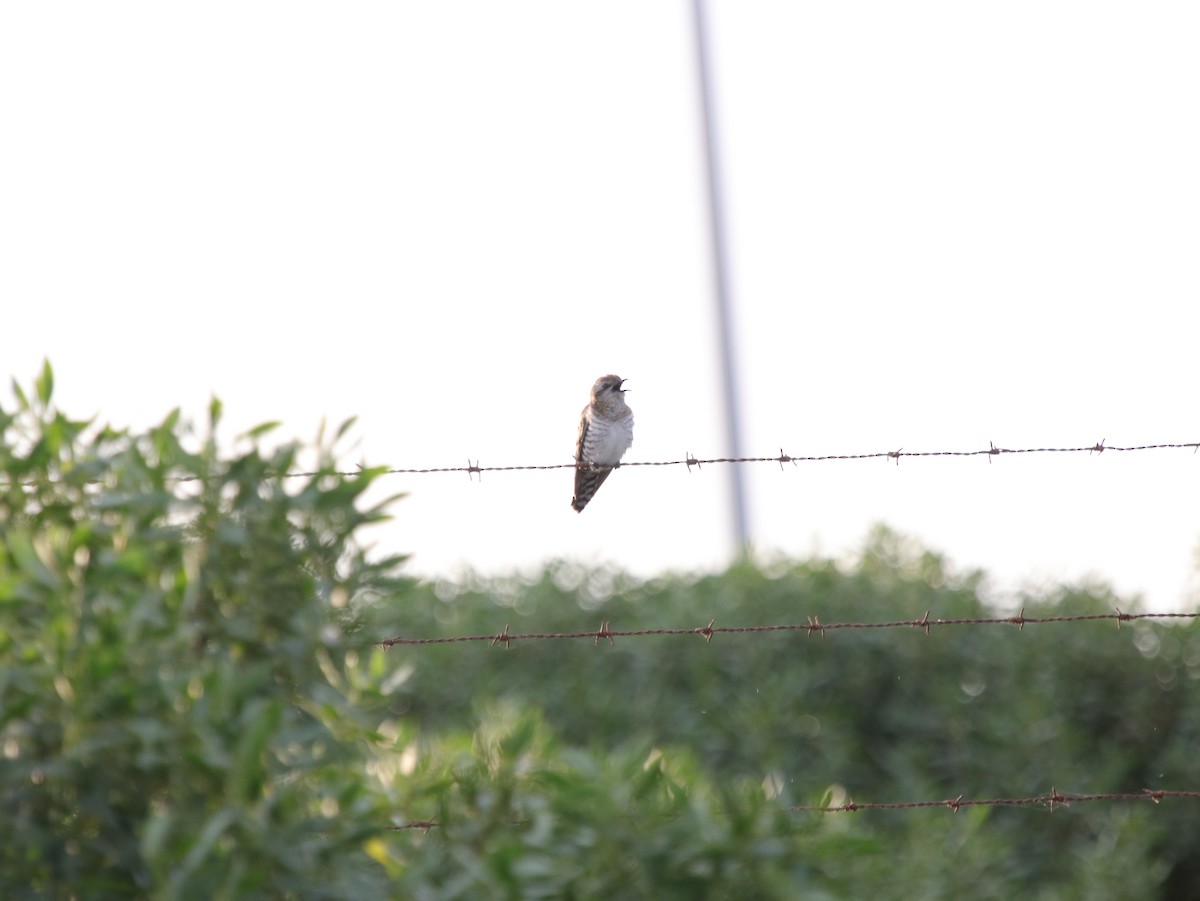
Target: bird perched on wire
(605, 433)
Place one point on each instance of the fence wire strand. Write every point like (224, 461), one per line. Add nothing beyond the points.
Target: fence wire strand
(1049, 802)
(813, 625)
(474, 468)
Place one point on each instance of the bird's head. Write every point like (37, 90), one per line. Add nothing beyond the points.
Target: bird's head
(606, 386)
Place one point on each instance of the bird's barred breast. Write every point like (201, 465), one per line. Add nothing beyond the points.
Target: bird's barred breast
(608, 441)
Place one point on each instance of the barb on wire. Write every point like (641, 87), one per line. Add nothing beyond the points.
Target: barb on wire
(423, 825)
(1054, 799)
(813, 625)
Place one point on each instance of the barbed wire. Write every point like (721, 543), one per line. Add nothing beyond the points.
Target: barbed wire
(1051, 801)
(473, 468)
(813, 625)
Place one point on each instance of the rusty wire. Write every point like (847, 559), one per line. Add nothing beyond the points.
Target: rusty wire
(1050, 802)
(813, 625)
(473, 468)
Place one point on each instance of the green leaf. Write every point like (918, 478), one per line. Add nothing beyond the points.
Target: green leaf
(262, 721)
(171, 423)
(216, 825)
(45, 384)
(27, 559)
(261, 429)
(22, 400)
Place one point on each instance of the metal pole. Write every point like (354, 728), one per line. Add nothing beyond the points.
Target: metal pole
(716, 210)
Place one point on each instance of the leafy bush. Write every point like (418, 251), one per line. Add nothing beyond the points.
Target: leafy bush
(173, 664)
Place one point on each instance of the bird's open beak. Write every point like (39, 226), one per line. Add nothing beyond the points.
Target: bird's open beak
(622, 387)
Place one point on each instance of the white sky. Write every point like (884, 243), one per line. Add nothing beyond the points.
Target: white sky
(950, 223)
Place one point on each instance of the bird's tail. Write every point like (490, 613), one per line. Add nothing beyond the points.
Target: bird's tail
(587, 483)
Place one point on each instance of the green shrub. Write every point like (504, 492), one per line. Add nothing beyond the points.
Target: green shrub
(174, 712)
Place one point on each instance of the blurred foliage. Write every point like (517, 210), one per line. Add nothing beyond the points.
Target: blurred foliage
(873, 715)
(192, 704)
(519, 816)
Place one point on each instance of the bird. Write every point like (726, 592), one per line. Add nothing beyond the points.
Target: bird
(605, 433)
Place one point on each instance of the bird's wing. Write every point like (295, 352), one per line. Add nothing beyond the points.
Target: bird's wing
(581, 438)
(587, 481)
